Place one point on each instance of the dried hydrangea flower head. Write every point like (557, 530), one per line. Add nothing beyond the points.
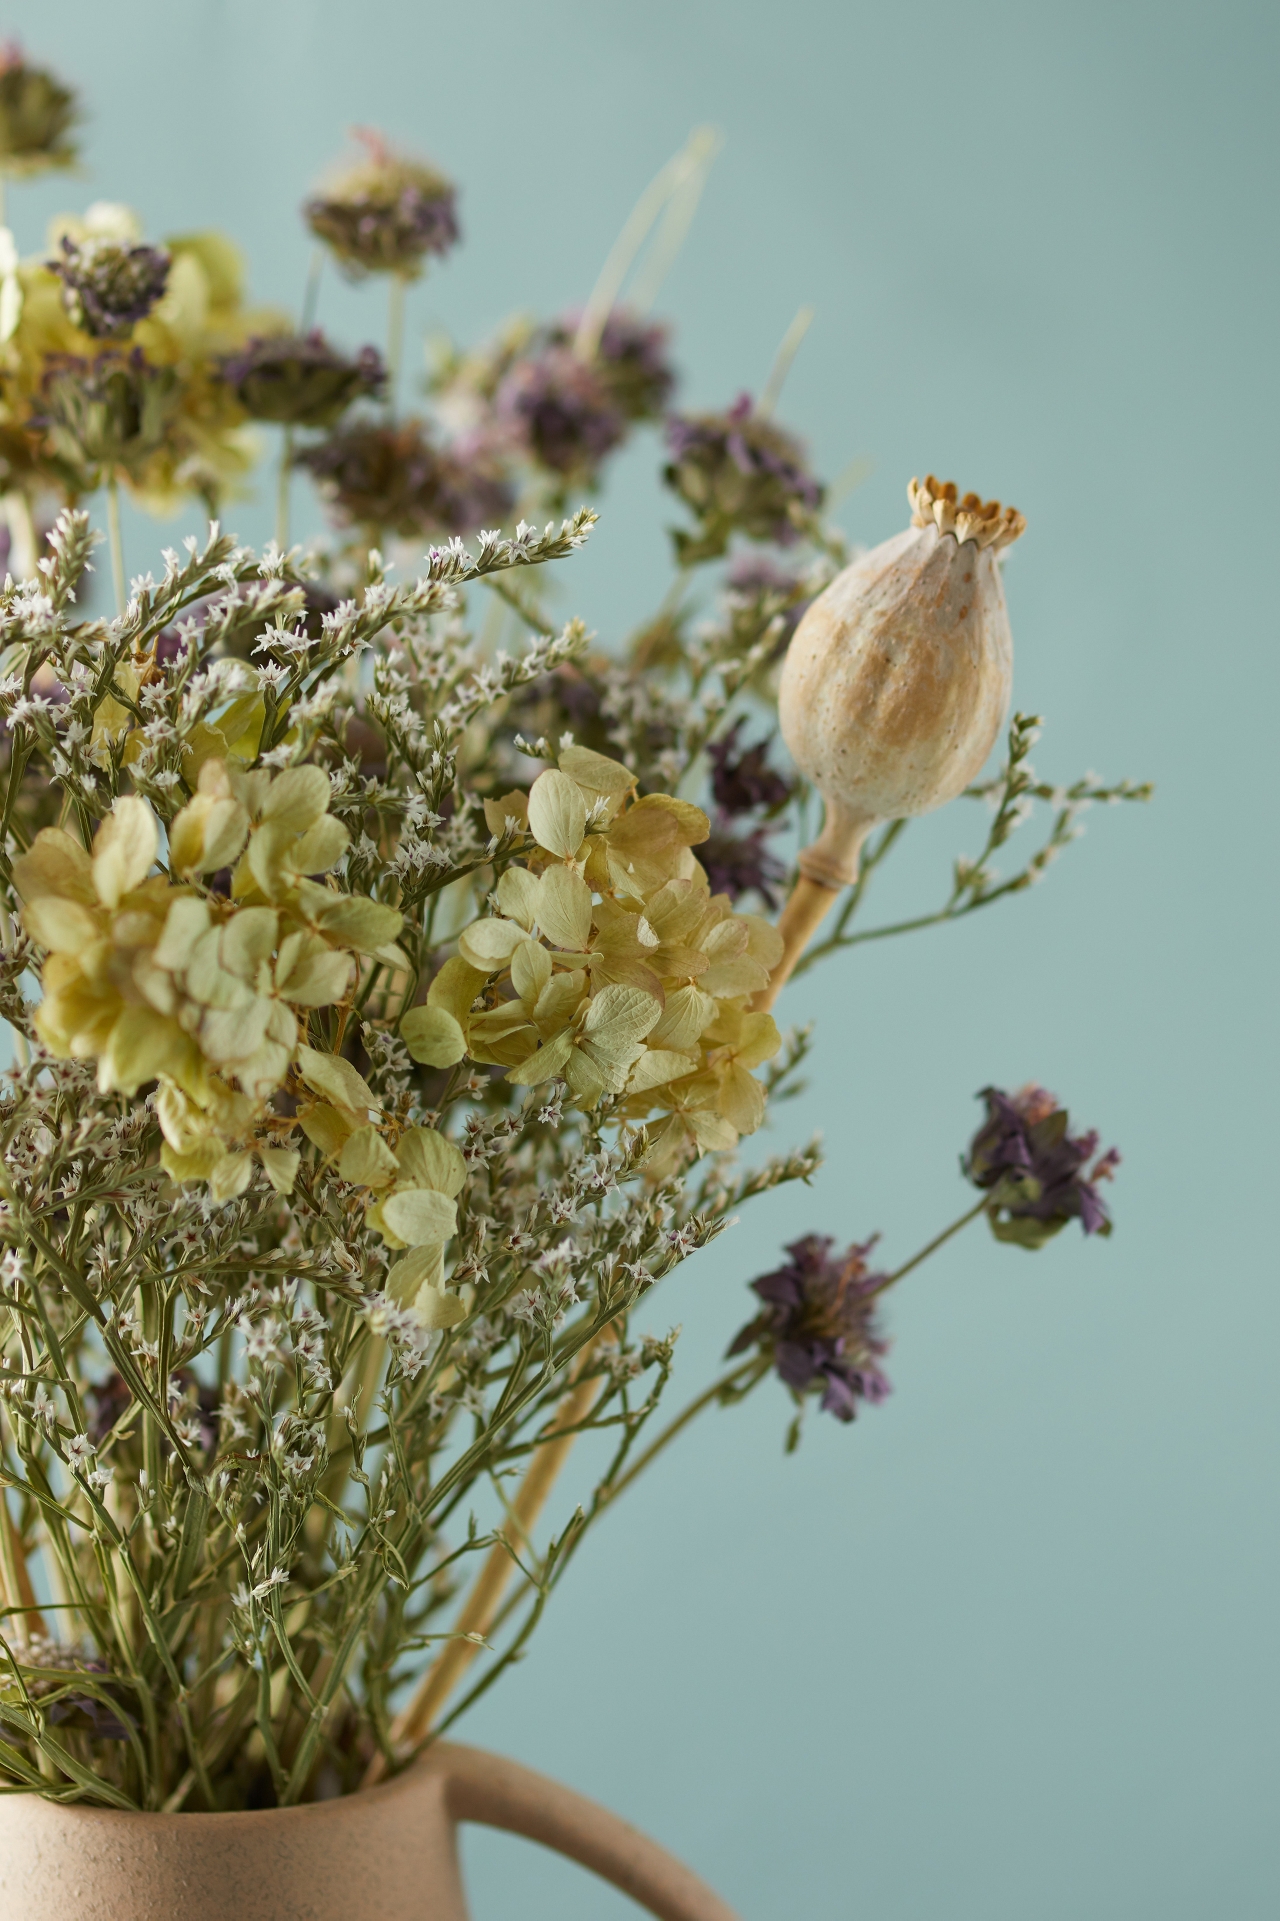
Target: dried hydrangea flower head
(1036, 1172)
(299, 380)
(611, 965)
(739, 472)
(36, 116)
(896, 683)
(385, 213)
(108, 285)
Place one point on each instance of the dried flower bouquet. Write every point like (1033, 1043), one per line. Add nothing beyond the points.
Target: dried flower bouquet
(389, 1008)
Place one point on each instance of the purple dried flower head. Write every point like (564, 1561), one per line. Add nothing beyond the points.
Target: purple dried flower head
(299, 380)
(109, 412)
(36, 116)
(631, 359)
(759, 591)
(560, 411)
(386, 213)
(473, 489)
(743, 781)
(109, 286)
(1034, 1170)
(392, 477)
(738, 864)
(739, 473)
(818, 1325)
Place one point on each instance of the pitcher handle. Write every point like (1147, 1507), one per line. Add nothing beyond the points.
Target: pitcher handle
(501, 1794)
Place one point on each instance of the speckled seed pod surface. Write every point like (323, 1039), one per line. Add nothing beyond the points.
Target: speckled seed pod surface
(898, 678)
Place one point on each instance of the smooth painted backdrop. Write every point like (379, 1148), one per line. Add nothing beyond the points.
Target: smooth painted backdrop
(1006, 1648)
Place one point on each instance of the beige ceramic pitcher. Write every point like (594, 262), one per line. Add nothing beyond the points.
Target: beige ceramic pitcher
(388, 1854)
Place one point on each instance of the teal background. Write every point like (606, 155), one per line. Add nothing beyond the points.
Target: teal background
(1006, 1648)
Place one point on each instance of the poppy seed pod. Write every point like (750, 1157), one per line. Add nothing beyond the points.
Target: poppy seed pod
(895, 685)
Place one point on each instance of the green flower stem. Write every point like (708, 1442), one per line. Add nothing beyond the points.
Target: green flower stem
(284, 484)
(931, 1247)
(311, 299)
(734, 1385)
(395, 337)
(115, 537)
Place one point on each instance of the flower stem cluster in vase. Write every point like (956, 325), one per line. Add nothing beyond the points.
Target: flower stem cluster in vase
(393, 973)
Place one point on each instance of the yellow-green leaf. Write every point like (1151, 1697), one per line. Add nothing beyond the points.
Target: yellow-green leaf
(337, 1080)
(564, 908)
(280, 1165)
(428, 1159)
(433, 1036)
(55, 864)
(124, 849)
(557, 813)
(366, 1160)
(596, 772)
(297, 798)
(419, 1214)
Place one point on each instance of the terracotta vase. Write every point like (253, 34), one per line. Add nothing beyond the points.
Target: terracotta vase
(388, 1854)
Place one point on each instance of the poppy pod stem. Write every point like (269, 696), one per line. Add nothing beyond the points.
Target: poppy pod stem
(894, 688)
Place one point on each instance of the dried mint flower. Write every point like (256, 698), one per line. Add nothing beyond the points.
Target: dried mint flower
(631, 359)
(393, 477)
(37, 114)
(818, 1325)
(1035, 1171)
(561, 411)
(299, 380)
(384, 214)
(739, 473)
(108, 285)
(108, 412)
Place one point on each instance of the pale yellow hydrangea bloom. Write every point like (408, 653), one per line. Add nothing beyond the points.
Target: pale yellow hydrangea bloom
(158, 979)
(610, 964)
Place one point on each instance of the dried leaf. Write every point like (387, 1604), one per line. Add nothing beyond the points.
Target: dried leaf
(557, 814)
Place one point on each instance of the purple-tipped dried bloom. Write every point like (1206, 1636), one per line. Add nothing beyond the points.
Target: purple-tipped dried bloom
(114, 410)
(385, 214)
(1034, 1170)
(37, 114)
(393, 478)
(744, 781)
(755, 587)
(560, 410)
(109, 286)
(738, 864)
(818, 1325)
(299, 380)
(631, 360)
(739, 473)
